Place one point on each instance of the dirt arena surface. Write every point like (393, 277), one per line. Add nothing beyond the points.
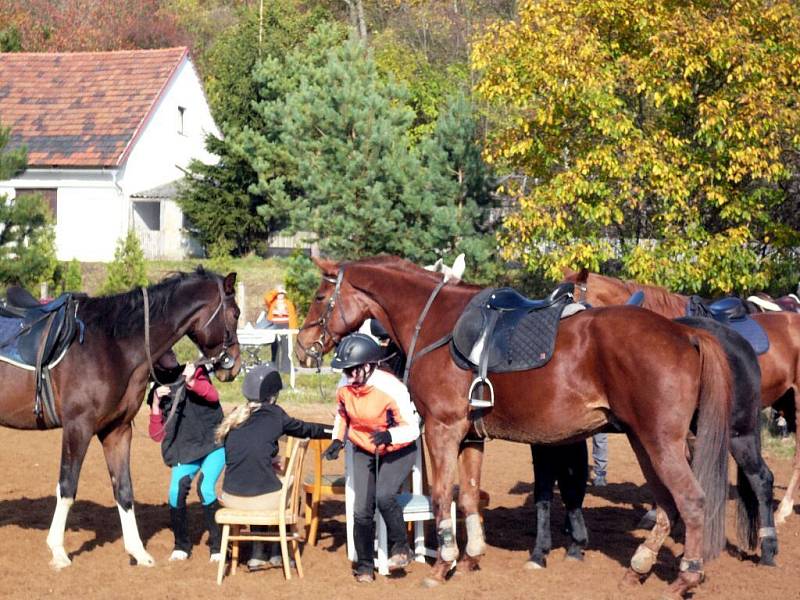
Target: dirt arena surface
(100, 569)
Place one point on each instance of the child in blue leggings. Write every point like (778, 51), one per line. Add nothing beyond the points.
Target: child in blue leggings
(187, 445)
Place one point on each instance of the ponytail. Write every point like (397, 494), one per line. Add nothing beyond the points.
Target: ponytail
(237, 418)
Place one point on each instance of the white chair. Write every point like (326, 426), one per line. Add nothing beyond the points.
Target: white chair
(417, 508)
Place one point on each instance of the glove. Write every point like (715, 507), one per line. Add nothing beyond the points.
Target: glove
(381, 438)
(332, 452)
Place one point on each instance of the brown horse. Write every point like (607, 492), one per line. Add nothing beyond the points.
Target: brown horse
(598, 373)
(780, 365)
(100, 383)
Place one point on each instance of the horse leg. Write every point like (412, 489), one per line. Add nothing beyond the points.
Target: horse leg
(544, 478)
(74, 442)
(754, 504)
(117, 450)
(572, 484)
(665, 511)
(786, 506)
(443, 441)
(470, 461)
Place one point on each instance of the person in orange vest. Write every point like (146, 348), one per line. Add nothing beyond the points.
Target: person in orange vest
(376, 414)
(280, 314)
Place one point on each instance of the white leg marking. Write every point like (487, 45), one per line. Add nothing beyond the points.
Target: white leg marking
(130, 536)
(476, 545)
(55, 538)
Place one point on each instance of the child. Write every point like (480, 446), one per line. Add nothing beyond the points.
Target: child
(188, 446)
(250, 435)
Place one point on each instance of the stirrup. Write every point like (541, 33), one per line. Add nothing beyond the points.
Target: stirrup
(476, 402)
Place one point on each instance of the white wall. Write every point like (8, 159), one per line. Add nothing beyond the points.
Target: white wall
(92, 213)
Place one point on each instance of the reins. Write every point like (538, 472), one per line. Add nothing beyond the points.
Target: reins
(417, 329)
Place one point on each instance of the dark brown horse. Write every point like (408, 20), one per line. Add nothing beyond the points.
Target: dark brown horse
(780, 365)
(599, 373)
(100, 384)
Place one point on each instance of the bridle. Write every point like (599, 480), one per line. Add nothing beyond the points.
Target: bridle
(316, 349)
(582, 299)
(222, 359)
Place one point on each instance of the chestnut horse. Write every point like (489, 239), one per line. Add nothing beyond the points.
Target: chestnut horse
(100, 384)
(780, 365)
(624, 364)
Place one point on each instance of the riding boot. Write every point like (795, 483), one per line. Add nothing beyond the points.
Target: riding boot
(180, 529)
(364, 542)
(396, 529)
(214, 532)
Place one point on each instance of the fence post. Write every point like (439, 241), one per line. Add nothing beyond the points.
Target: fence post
(240, 300)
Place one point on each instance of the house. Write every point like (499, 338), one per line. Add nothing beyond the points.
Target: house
(107, 134)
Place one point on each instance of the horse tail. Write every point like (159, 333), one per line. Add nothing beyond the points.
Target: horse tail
(710, 463)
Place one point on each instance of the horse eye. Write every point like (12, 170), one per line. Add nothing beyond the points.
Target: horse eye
(319, 298)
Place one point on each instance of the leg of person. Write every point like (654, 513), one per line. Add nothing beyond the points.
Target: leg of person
(600, 458)
(180, 482)
(364, 514)
(210, 469)
(393, 470)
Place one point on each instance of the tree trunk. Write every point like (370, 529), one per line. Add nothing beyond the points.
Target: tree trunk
(357, 20)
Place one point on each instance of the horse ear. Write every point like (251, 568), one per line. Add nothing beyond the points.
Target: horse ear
(228, 285)
(583, 275)
(328, 267)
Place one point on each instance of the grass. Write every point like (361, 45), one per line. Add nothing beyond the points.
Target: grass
(310, 388)
(777, 447)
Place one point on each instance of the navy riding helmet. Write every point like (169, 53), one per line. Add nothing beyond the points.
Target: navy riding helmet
(357, 349)
(261, 383)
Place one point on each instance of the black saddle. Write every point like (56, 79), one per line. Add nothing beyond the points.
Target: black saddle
(38, 334)
(732, 312)
(500, 330)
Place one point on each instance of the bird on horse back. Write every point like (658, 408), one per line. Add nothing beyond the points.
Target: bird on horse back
(594, 376)
(100, 383)
(780, 364)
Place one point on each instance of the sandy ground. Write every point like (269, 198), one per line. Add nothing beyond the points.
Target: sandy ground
(101, 569)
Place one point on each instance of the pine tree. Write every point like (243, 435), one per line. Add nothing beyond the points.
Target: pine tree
(127, 270)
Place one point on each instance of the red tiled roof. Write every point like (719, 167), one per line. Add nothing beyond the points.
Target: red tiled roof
(81, 109)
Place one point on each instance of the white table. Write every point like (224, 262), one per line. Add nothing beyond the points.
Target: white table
(252, 340)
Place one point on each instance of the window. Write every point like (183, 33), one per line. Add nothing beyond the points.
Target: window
(49, 195)
(181, 113)
(148, 214)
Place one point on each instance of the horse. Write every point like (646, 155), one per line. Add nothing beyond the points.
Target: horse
(568, 464)
(593, 378)
(100, 383)
(780, 365)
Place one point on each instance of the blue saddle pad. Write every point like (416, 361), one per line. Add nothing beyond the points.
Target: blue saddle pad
(9, 332)
(752, 332)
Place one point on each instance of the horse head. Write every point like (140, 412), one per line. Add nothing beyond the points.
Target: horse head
(213, 329)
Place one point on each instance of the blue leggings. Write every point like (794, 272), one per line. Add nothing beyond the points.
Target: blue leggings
(210, 469)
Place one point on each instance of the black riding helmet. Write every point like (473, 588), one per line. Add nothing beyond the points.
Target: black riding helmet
(261, 383)
(356, 349)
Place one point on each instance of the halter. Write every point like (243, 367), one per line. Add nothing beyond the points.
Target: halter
(582, 287)
(223, 359)
(315, 350)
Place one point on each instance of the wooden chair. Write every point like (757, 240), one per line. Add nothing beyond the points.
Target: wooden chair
(317, 485)
(236, 524)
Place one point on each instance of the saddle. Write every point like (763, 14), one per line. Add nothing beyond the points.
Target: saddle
(731, 312)
(502, 331)
(36, 336)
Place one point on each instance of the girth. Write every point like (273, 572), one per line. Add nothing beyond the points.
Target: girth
(731, 312)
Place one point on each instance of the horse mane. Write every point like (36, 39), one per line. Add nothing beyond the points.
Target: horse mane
(122, 315)
(655, 297)
(402, 265)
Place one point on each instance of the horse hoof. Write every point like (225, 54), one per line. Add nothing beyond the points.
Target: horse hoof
(535, 563)
(430, 582)
(575, 557)
(145, 560)
(630, 580)
(60, 560)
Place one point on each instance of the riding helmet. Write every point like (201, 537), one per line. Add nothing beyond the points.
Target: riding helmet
(357, 349)
(261, 383)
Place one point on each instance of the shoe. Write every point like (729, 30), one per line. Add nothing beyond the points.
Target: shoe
(215, 557)
(256, 564)
(399, 560)
(179, 555)
(277, 561)
(599, 481)
(365, 577)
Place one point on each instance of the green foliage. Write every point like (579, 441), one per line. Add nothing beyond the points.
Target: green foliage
(68, 277)
(333, 148)
(10, 40)
(656, 134)
(127, 270)
(27, 238)
(302, 281)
